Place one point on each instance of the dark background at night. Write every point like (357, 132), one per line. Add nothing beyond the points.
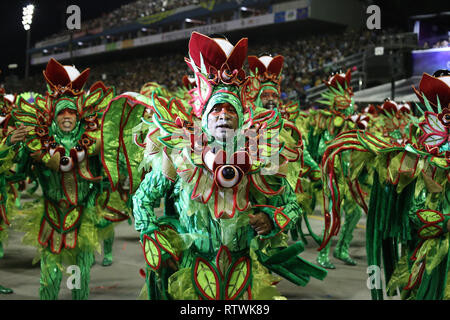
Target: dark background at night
(50, 17)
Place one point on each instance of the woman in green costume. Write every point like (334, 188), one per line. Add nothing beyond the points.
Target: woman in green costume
(61, 148)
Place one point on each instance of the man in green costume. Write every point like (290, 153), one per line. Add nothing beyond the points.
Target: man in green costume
(264, 93)
(229, 211)
(6, 156)
(329, 123)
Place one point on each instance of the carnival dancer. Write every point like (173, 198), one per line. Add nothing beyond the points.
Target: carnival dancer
(339, 116)
(408, 213)
(61, 148)
(230, 202)
(263, 92)
(6, 155)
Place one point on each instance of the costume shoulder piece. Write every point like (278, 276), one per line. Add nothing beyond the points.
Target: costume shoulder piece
(132, 114)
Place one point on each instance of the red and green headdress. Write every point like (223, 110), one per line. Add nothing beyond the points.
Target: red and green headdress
(265, 74)
(219, 76)
(65, 80)
(339, 96)
(434, 90)
(46, 141)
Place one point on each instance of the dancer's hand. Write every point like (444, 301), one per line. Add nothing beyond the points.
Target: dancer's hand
(19, 134)
(261, 223)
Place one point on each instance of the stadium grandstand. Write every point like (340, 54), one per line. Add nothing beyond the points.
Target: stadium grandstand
(145, 41)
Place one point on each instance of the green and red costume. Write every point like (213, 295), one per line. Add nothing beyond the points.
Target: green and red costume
(6, 157)
(304, 174)
(408, 213)
(68, 167)
(210, 188)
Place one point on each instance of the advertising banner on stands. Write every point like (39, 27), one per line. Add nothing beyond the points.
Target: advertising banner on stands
(428, 61)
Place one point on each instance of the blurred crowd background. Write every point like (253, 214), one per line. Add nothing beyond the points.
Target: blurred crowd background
(308, 62)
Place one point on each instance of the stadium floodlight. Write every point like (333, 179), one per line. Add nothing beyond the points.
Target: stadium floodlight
(379, 51)
(189, 20)
(27, 19)
(27, 16)
(246, 9)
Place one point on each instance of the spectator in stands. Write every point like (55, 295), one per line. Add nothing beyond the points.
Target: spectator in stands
(308, 61)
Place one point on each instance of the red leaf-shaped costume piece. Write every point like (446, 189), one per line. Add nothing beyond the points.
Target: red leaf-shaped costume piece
(432, 88)
(341, 78)
(60, 81)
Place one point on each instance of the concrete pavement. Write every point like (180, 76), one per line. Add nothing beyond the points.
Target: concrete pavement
(122, 281)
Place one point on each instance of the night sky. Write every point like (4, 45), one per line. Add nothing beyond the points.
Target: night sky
(50, 16)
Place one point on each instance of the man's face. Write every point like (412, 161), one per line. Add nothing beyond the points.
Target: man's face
(67, 120)
(222, 121)
(270, 99)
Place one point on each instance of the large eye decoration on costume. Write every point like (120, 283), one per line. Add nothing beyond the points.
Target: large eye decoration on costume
(66, 164)
(228, 176)
(52, 148)
(81, 154)
(444, 117)
(228, 171)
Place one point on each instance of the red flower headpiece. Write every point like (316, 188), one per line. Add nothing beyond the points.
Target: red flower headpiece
(64, 79)
(266, 68)
(222, 62)
(432, 88)
(342, 79)
(394, 108)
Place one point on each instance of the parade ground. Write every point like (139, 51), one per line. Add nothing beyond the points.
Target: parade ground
(122, 280)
